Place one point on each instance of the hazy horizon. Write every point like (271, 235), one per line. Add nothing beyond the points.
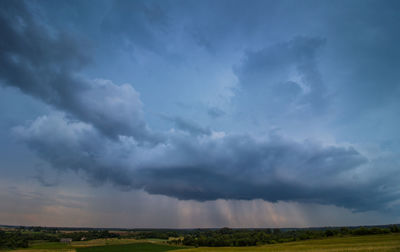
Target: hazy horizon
(191, 114)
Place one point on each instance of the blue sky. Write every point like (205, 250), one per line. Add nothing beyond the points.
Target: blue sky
(199, 113)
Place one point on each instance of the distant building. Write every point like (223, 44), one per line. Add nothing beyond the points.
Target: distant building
(83, 238)
(66, 240)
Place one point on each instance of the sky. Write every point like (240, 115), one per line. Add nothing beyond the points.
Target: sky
(195, 114)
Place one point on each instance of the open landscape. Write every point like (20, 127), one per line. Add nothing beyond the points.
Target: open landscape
(386, 238)
(199, 125)
(337, 244)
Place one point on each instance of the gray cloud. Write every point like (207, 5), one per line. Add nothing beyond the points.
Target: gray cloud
(75, 146)
(43, 179)
(284, 76)
(139, 22)
(210, 167)
(188, 126)
(215, 112)
(44, 64)
(362, 68)
(103, 133)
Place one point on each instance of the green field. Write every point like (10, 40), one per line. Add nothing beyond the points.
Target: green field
(145, 247)
(385, 242)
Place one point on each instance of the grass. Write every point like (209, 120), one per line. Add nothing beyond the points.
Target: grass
(387, 242)
(103, 242)
(142, 247)
(50, 245)
(99, 245)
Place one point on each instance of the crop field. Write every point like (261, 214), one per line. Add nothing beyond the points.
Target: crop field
(145, 247)
(385, 242)
(99, 245)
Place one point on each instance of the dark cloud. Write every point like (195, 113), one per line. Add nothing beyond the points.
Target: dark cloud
(238, 167)
(239, 22)
(210, 167)
(285, 76)
(141, 23)
(188, 126)
(103, 133)
(364, 56)
(215, 112)
(43, 63)
(76, 146)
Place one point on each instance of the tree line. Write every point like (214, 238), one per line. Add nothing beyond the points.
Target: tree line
(238, 237)
(20, 237)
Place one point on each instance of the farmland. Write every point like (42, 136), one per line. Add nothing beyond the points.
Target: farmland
(383, 242)
(387, 242)
(99, 245)
(145, 247)
(36, 239)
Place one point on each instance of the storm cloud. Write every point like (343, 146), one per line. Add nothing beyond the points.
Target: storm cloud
(283, 135)
(209, 167)
(285, 77)
(141, 23)
(44, 64)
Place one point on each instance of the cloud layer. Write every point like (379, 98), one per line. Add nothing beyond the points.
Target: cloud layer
(209, 167)
(43, 64)
(284, 77)
(101, 130)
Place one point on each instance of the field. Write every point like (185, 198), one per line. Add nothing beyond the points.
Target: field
(386, 242)
(145, 247)
(99, 245)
